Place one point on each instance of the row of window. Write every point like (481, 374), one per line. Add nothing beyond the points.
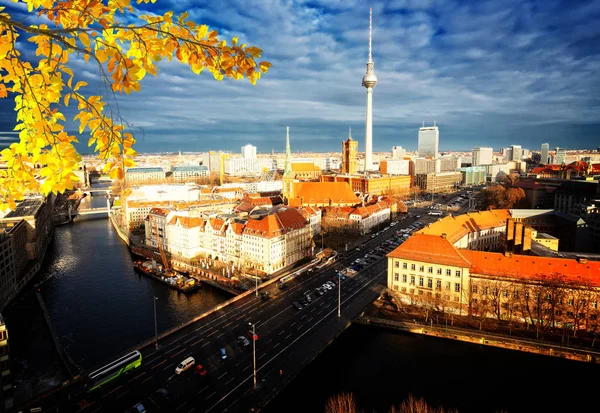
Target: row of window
(413, 267)
(438, 282)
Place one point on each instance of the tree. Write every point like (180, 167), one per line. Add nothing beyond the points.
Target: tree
(414, 405)
(123, 55)
(499, 197)
(341, 403)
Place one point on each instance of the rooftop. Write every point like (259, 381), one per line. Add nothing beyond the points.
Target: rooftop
(143, 170)
(191, 168)
(431, 249)
(457, 227)
(26, 208)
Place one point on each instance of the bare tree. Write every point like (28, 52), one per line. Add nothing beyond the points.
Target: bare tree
(341, 403)
(414, 405)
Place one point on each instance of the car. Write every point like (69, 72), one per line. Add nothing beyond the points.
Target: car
(223, 353)
(327, 287)
(163, 394)
(319, 291)
(373, 236)
(342, 277)
(297, 305)
(331, 284)
(252, 335)
(243, 341)
(281, 285)
(308, 297)
(138, 408)
(184, 365)
(264, 296)
(357, 249)
(200, 370)
(303, 302)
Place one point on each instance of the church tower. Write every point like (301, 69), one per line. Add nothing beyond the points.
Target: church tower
(288, 178)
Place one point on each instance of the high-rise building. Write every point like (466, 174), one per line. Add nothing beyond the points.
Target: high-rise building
(398, 152)
(560, 156)
(482, 156)
(6, 389)
(429, 139)
(516, 152)
(544, 157)
(369, 81)
(349, 152)
(249, 152)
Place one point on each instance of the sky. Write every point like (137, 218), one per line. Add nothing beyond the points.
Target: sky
(489, 73)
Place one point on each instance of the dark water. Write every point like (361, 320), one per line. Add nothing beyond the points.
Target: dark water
(100, 307)
(382, 368)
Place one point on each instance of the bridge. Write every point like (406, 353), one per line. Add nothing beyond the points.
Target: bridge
(288, 340)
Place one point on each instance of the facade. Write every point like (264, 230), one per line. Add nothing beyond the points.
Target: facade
(429, 139)
(438, 182)
(13, 259)
(140, 175)
(249, 151)
(242, 166)
(269, 242)
(544, 153)
(398, 152)
(373, 184)
(474, 175)
(349, 156)
(423, 166)
(498, 172)
(394, 167)
(305, 171)
(447, 164)
(560, 157)
(516, 152)
(357, 220)
(183, 173)
(6, 389)
(321, 194)
(482, 156)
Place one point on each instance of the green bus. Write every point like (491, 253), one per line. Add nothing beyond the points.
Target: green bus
(113, 370)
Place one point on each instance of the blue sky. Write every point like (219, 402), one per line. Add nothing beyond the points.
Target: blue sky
(491, 73)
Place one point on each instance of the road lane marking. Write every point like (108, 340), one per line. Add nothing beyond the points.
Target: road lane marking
(205, 344)
(164, 361)
(187, 341)
(146, 379)
(232, 379)
(170, 366)
(214, 332)
(205, 387)
(262, 355)
(246, 368)
(211, 395)
(281, 332)
(196, 342)
(221, 375)
(229, 323)
(184, 403)
(269, 341)
(173, 349)
(137, 377)
(288, 336)
(275, 346)
(122, 394)
(293, 324)
(302, 318)
(221, 335)
(179, 352)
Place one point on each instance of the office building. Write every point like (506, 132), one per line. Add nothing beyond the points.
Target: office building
(349, 156)
(6, 389)
(560, 157)
(242, 166)
(438, 182)
(544, 155)
(429, 139)
(144, 175)
(473, 175)
(516, 152)
(185, 173)
(395, 167)
(248, 152)
(482, 156)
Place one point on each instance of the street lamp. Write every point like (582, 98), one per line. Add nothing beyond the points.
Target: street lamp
(256, 281)
(155, 327)
(339, 293)
(254, 350)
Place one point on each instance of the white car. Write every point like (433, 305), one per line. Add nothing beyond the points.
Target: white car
(184, 365)
(327, 287)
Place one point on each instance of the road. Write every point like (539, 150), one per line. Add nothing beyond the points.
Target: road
(288, 339)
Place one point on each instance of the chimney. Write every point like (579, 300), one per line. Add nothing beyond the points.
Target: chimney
(582, 260)
(444, 235)
(527, 239)
(510, 229)
(518, 236)
(508, 254)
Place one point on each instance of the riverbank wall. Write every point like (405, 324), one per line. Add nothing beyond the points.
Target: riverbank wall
(485, 338)
(120, 232)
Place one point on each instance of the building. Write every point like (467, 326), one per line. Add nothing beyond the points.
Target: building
(482, 156)
(349, 156)
(305, 171)
(516, 152)
(186, 173)
(473, 175)
(498, 172)
(249, 152)
(243, 166)
(423, 166)
(468, 280)
(394, 167)
(398, 152)
(6, 389)
(429, 139)
(358, 220)
(438, 182)
(13, 259)
(144, 175)
(560, 157)
(447, 164)
(369, 81)
(373, 184)
(321, 194)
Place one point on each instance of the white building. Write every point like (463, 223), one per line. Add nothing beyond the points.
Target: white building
(395, 167)
(398, 152)
(249, 152)
(182, 173)
(544, 155)
(135, 175)
(516, 153)
(242, 166)
(560, 157)
(371, 216)
(429, 139)
(482, 156)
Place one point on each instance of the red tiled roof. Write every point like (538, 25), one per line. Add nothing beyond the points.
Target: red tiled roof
(216, 223)
(187, 222)
(159, 211)
(430, 249)
(324, 192)
(457, 227)
(276, 224)
(531, 267)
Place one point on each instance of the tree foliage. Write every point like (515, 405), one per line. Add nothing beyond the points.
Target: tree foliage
(44, 85)
(499, 197)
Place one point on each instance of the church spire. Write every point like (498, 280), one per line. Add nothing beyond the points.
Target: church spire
(287, 170)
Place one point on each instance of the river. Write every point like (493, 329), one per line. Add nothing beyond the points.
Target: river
(101, 307)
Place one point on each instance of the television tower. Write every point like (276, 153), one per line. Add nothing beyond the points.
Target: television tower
(369, 81)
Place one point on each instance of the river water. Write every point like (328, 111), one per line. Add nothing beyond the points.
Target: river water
(101, 307)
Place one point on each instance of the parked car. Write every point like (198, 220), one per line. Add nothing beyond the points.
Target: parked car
(184, 365)
(138, 408)
(163, 395)
(297, 305)
(264, 296)
(281, 285)
(243, 341)
(327, 286)
(200, 370)
(303, 302)
(319, 291)
(223, 353)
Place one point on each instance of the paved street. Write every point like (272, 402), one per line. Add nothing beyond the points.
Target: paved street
(288, 339)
